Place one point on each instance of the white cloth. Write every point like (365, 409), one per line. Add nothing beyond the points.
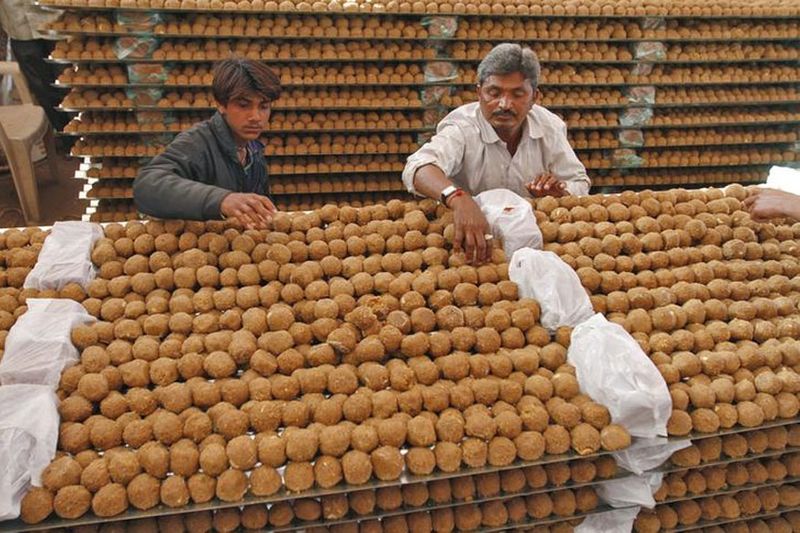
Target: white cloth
(470, 153)
(23, 21)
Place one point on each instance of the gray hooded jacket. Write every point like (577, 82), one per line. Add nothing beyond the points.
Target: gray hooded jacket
(195, 172)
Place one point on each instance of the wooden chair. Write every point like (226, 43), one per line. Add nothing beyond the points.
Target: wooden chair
(22, 126)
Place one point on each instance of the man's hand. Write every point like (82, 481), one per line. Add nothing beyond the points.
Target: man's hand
(547, 185)
(253, 211)
(471, 229)
(765, 204)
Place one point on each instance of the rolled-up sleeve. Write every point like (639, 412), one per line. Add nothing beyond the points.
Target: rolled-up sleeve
(565, 165)
(445, 150)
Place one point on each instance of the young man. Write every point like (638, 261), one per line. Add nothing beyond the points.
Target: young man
(217, 168)
(503, 141)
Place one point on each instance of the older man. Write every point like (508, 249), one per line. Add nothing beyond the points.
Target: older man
(503, 141)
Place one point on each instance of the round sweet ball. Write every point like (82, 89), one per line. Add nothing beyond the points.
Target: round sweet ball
(614, 437)
(110, 500)
(60, 473)
(72, 501)
(357, 467)
(36, 505)
(231, 485)
(387, 463)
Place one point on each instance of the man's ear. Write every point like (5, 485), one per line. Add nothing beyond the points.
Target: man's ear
(537, 95)
(220, 107)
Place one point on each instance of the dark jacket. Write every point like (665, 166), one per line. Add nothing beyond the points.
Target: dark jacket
(195, 172)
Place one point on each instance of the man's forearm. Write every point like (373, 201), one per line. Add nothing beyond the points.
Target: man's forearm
(430, 181)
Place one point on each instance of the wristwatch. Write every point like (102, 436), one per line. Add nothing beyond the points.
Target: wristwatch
(447, 192)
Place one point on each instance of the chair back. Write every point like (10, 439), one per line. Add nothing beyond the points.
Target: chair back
(12, 68)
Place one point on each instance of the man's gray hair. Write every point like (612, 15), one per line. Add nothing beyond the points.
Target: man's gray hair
(507, 58)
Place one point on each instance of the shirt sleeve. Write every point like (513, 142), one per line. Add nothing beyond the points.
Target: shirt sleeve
(564, 164)
(167, 186)
(445, 150)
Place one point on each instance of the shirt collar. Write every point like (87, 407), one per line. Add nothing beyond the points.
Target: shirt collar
(223, 133)
(489, 136)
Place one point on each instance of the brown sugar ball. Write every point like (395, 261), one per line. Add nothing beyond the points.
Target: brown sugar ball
(174, 492)
(420, 461)
(231, 485)
(72, 501)
(36, 505)
(60, 473)
(357, 467)
(298, 476)
(264, 481)
(143, 492)
(110, 500)
(387, 463)
(614, 437)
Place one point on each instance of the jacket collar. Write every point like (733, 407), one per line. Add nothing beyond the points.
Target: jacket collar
(489, 136)
(223, 133)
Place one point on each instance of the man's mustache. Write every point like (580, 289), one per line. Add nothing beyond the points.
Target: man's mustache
(504, 114)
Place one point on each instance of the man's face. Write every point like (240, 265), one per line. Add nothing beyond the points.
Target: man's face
(247, 116)
(505, 100)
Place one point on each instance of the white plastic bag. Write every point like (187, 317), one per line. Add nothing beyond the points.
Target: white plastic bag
(549, 280)
(28, 438)
(39, 345)
(65, 257)
(612, 369)
(631, 490)
(511, 218)
(646, 454)
(616, 521)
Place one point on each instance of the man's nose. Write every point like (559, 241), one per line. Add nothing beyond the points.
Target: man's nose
(505, 102)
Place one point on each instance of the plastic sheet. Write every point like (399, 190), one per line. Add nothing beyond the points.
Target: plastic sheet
(646, 454)
(632, 490)
(142, 96)
(39, 345)
(130, 47)
(440, 71)
(65, 257)
(554, 284)
(147, 73)
(650, 51)
(28, 438)
(511, 218)
(631, 138)
(636, 116)
(138, 21)
(642, 94)
(612, 369)
(440, 27)
(431, 96)
(616, 521)
(626, 158)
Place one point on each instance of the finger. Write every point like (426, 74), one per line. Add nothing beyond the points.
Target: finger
(267, 203)
(537, 183)
(480, 245)
(242, 216)
(260, 209)
(750, 200)
(550, 184)
(469, 239)
(458, 237)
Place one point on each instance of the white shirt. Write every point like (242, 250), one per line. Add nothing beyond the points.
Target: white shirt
(469, 152)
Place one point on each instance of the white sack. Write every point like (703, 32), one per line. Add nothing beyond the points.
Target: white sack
(65, 257)
(631, 490)
(646, 454)
(554, 284)
(511, 218)
(39, 345)
(613, 370)
(784, 179)
(28, 437)
(616, 521)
